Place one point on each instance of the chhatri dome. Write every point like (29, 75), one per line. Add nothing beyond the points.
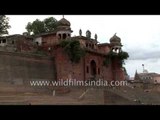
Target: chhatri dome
(63, 22)
(115, 40)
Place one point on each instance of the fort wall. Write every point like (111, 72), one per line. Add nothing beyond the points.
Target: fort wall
(20, 69)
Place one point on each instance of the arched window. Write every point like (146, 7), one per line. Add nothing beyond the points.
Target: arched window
(93, 68)
(86, 44)
(4, 41)
(59, 36)
(64, 36)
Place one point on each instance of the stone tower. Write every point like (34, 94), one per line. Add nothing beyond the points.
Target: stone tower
(118, 73)
(63, 29)
(115, 42)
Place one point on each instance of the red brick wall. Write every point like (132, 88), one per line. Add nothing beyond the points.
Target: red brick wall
(49, 40)
(103, 49)
(25, 45)
(105, 72)
(65, 69)
(118, 73)
(25, 67)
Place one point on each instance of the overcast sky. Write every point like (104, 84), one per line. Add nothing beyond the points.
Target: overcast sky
(140, 34)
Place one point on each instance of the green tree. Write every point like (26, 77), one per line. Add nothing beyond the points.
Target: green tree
(37, 26)
(50, 24)
(121, 56)
(4, 24)
(73, 49)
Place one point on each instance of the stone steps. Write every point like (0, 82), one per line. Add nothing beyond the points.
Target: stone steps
(138, 95)
(112, 98)
(93, 96)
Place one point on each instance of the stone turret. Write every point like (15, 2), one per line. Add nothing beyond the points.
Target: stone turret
(63, 29)
(115, 42)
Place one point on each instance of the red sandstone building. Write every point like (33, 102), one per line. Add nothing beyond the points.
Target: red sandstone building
(91, 66)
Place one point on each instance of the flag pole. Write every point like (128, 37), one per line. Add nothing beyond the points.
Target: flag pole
(143, 67)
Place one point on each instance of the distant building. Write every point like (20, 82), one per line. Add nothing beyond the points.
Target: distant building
(17, 43)
(147, 77)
